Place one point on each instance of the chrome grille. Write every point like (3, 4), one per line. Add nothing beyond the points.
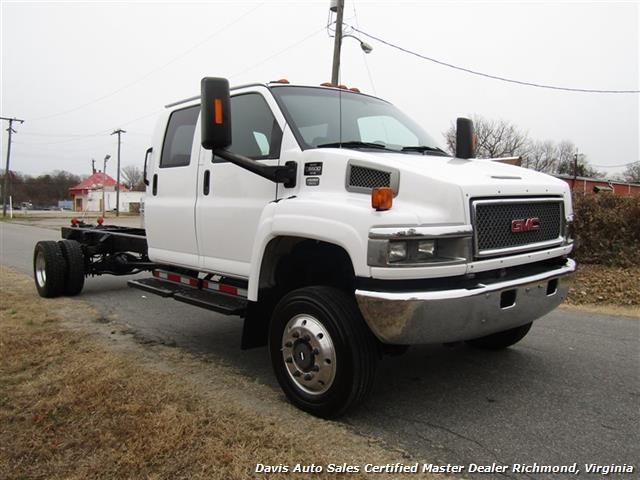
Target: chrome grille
(493, 220)
(368, 177)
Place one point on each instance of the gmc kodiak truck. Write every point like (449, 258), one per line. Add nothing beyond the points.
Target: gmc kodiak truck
(335, 226)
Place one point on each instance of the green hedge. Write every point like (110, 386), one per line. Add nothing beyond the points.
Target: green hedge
(607, 229)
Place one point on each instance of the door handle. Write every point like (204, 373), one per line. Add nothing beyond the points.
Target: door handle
(207, 180)
(144, 172)
(154, 188)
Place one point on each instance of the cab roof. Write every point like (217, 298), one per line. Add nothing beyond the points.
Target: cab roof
(276, 84)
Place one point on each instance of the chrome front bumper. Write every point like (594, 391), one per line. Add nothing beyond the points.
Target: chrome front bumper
(437, 316)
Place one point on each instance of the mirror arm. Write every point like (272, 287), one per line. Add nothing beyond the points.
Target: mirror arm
(279, 174)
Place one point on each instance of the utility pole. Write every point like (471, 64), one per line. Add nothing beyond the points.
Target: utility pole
(335, 72)
(575, 170)
(118, 132)
(5, 188)
(93, 166)
(104, 179)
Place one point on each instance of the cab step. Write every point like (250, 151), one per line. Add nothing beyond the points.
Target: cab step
(209, 299)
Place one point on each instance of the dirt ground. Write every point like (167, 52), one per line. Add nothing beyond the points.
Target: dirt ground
(79, 398)
(604, 289)
(53, 220)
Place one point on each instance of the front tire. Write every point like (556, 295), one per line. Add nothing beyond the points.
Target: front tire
(323, 354)
(49, 269)
(500, 340)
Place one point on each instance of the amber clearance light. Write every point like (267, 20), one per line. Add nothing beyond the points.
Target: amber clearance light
(382, 198)
(217, 108)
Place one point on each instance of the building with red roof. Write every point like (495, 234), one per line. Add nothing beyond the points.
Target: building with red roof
(88, 194)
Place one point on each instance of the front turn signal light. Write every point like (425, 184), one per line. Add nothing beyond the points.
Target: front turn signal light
(382, 198)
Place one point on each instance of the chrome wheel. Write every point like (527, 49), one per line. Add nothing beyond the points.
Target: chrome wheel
(40, 269)
(309, 354)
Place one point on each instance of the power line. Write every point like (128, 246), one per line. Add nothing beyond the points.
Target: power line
(364, 55)
(91, 135)
(616, 166)
(216, 32)
(280, 52)
(487, 75)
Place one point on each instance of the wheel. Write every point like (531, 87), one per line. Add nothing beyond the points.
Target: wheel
(323, 354)
(49, 269)
(74, 257)
(500, 340)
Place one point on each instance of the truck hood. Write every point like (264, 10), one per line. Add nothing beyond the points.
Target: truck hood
(475, 177)
(440, 189)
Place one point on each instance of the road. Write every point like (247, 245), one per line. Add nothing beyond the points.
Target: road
(569, 392)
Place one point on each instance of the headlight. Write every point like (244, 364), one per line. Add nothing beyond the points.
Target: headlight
(414, 252)
(397, 251)
(426, 250)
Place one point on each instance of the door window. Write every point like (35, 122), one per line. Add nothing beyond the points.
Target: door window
(176, 151)
(254, 130)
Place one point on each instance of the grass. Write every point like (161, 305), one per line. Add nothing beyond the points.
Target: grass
(72, 405)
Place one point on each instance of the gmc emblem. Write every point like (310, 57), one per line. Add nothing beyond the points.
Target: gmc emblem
(525, 225)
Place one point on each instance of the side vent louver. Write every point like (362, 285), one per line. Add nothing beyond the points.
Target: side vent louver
(368, 177)
(362, 177)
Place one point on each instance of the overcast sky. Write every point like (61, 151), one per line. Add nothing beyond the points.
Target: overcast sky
(76, 71)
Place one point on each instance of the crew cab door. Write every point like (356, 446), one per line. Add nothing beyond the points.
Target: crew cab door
(230, 198)
(171, 194)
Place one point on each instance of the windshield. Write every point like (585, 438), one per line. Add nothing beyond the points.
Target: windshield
(367, 122)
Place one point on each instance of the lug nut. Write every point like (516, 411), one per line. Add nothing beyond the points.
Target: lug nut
(296, 373)
(289, 360)
(316, 368)
(306, 338)
(295, 335)
(288, 344)
(308, 376)
(316, 351)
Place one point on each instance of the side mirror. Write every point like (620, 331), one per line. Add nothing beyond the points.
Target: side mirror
(465, 138)
(215, 113)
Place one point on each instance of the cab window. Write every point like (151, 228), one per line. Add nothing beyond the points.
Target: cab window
(176, 151)
(254, 130)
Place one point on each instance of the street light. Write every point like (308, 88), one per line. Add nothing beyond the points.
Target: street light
(104, 164)
(366, 48)
(337, 6)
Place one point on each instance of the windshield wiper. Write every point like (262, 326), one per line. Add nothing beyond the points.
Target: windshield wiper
(355, 144)
(425, 150)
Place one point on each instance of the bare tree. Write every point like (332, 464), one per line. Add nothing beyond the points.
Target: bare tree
(44, 190)
(132, 177)
(548, 156)
(565, 151)
(496, 138)
(541, 156)
(581, 168)
(632, 173)
(499, 138)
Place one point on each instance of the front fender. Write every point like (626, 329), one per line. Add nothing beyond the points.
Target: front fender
(328, 221)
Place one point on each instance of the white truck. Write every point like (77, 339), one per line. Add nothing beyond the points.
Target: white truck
(335, 226)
